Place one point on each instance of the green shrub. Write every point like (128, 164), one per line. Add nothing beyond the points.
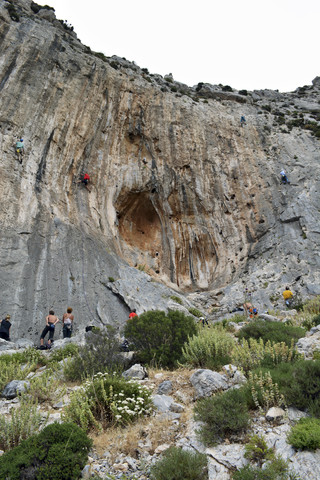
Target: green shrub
(264, 392)
(210, 348)
(276, 332)
(305, 434)
(58, 452)
(67, 351)
(300, 384)
(195, 312)
(46, 387)
(178, 464)
(257, 450)
(101, 353)
(24, 421)
(111, 279)
(276, 469)
(176, 299)
(108, 399)
(252, 353)
(12, 371)
(224, 415)
(227, 88)
(159, 337)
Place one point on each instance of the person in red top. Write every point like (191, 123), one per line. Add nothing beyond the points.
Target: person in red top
(85, 180)
(133, 314)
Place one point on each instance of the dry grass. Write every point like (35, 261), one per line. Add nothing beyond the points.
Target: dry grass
(148, 433)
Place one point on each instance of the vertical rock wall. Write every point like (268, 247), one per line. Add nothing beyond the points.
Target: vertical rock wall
(178, 188)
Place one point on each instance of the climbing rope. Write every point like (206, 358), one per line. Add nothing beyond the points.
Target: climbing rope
(79, 196)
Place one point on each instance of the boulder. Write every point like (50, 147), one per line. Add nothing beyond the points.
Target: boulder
(165, 387)
(14, 388)
(23, 343)
(206, 382)
(4, 345)
(136, 371)
(176, 408)
(307, 345)
(275, 414)
(162, 402)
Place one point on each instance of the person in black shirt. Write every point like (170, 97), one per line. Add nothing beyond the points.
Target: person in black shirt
(5, 328)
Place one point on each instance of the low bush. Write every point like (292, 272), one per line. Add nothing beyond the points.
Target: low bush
(264, 392)
(223, 415)
(100, 354)
(195, 312)
(257, 450)
(46, 387)
(276, 469)
(158, 337)
(12, 371)
(68, 351)
(210, 348)
(176, 299)
(305, 434)
(106, 400)
(58, 452)
(275, 332)
(178, 464)
(249, 354)
(299, 383)
(24, 421)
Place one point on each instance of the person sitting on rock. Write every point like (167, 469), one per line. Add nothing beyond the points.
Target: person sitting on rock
(284, 178)
(288, 296)
(133, 313)
(51, 321)
(20, 149)
(85, 180)
(5, 326)
(67, 321)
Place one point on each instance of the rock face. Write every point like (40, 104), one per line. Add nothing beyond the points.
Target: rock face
(178, 190)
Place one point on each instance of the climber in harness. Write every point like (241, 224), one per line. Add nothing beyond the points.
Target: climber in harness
(20, 149)
(243, 121)
(85, 180)
(284, 178)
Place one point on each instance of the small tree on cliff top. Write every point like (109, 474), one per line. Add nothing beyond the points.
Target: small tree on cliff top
(159, 337)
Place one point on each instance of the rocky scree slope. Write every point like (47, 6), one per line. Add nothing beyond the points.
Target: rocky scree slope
(179, 190)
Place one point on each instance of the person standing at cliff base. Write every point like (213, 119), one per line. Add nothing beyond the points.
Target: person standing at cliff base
(67, 321)
(51, 321)
(133, 313)
(5, 326)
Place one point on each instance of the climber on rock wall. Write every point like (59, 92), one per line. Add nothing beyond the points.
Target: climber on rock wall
(284, 178)
(85, 180)
(243, 121)
(20, 149)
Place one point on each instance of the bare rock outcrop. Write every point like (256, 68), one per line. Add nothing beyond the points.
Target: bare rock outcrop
(178, 190)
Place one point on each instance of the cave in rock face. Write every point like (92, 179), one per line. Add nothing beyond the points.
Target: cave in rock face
(140, 232)
(170, 246)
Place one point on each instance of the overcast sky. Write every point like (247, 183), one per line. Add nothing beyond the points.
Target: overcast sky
(248, 44)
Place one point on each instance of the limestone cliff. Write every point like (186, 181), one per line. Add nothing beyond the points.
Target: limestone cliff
(178, 190)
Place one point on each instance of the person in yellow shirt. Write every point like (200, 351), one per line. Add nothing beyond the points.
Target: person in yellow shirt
(287, 295)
